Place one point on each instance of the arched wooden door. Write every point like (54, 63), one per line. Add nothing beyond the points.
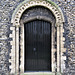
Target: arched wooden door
(37, 45)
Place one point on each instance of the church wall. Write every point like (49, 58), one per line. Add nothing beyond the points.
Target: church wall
(7, 8)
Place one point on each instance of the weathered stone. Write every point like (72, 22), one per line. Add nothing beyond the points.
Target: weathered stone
(7, 7)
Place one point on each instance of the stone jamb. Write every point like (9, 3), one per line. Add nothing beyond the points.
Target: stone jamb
(13, 50)
(17, 49)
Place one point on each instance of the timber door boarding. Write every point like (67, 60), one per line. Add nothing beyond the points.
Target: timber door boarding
(37, 45)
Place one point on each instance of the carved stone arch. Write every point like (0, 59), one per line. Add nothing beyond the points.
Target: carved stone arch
(15, 34)
(27, 4)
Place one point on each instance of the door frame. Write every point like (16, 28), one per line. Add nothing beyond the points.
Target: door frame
(50, 62)
(53, 65)
(15, 21)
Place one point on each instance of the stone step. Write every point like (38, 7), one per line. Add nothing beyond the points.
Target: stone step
(38, 73)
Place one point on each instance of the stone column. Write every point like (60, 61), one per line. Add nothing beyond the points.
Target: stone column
(58, 49)
(22, 47)
(17, 49)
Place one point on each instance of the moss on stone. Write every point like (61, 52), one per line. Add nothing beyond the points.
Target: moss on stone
(29, 1)
(51, 2)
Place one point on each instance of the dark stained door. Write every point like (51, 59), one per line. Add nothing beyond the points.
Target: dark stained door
(37, 46)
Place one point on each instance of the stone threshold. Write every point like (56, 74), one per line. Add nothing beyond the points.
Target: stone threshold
(38, 73)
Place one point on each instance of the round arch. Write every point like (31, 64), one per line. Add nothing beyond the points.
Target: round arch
(15, 20)
(31, 3)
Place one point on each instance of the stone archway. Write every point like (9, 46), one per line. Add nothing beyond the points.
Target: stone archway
(31, 14)
(15, 35)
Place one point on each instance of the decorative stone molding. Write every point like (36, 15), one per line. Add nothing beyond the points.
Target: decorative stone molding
(25, 5)
(15, 35)
(13, 51)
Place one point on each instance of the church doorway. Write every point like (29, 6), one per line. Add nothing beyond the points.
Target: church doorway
(37, 36)
(37, 33)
